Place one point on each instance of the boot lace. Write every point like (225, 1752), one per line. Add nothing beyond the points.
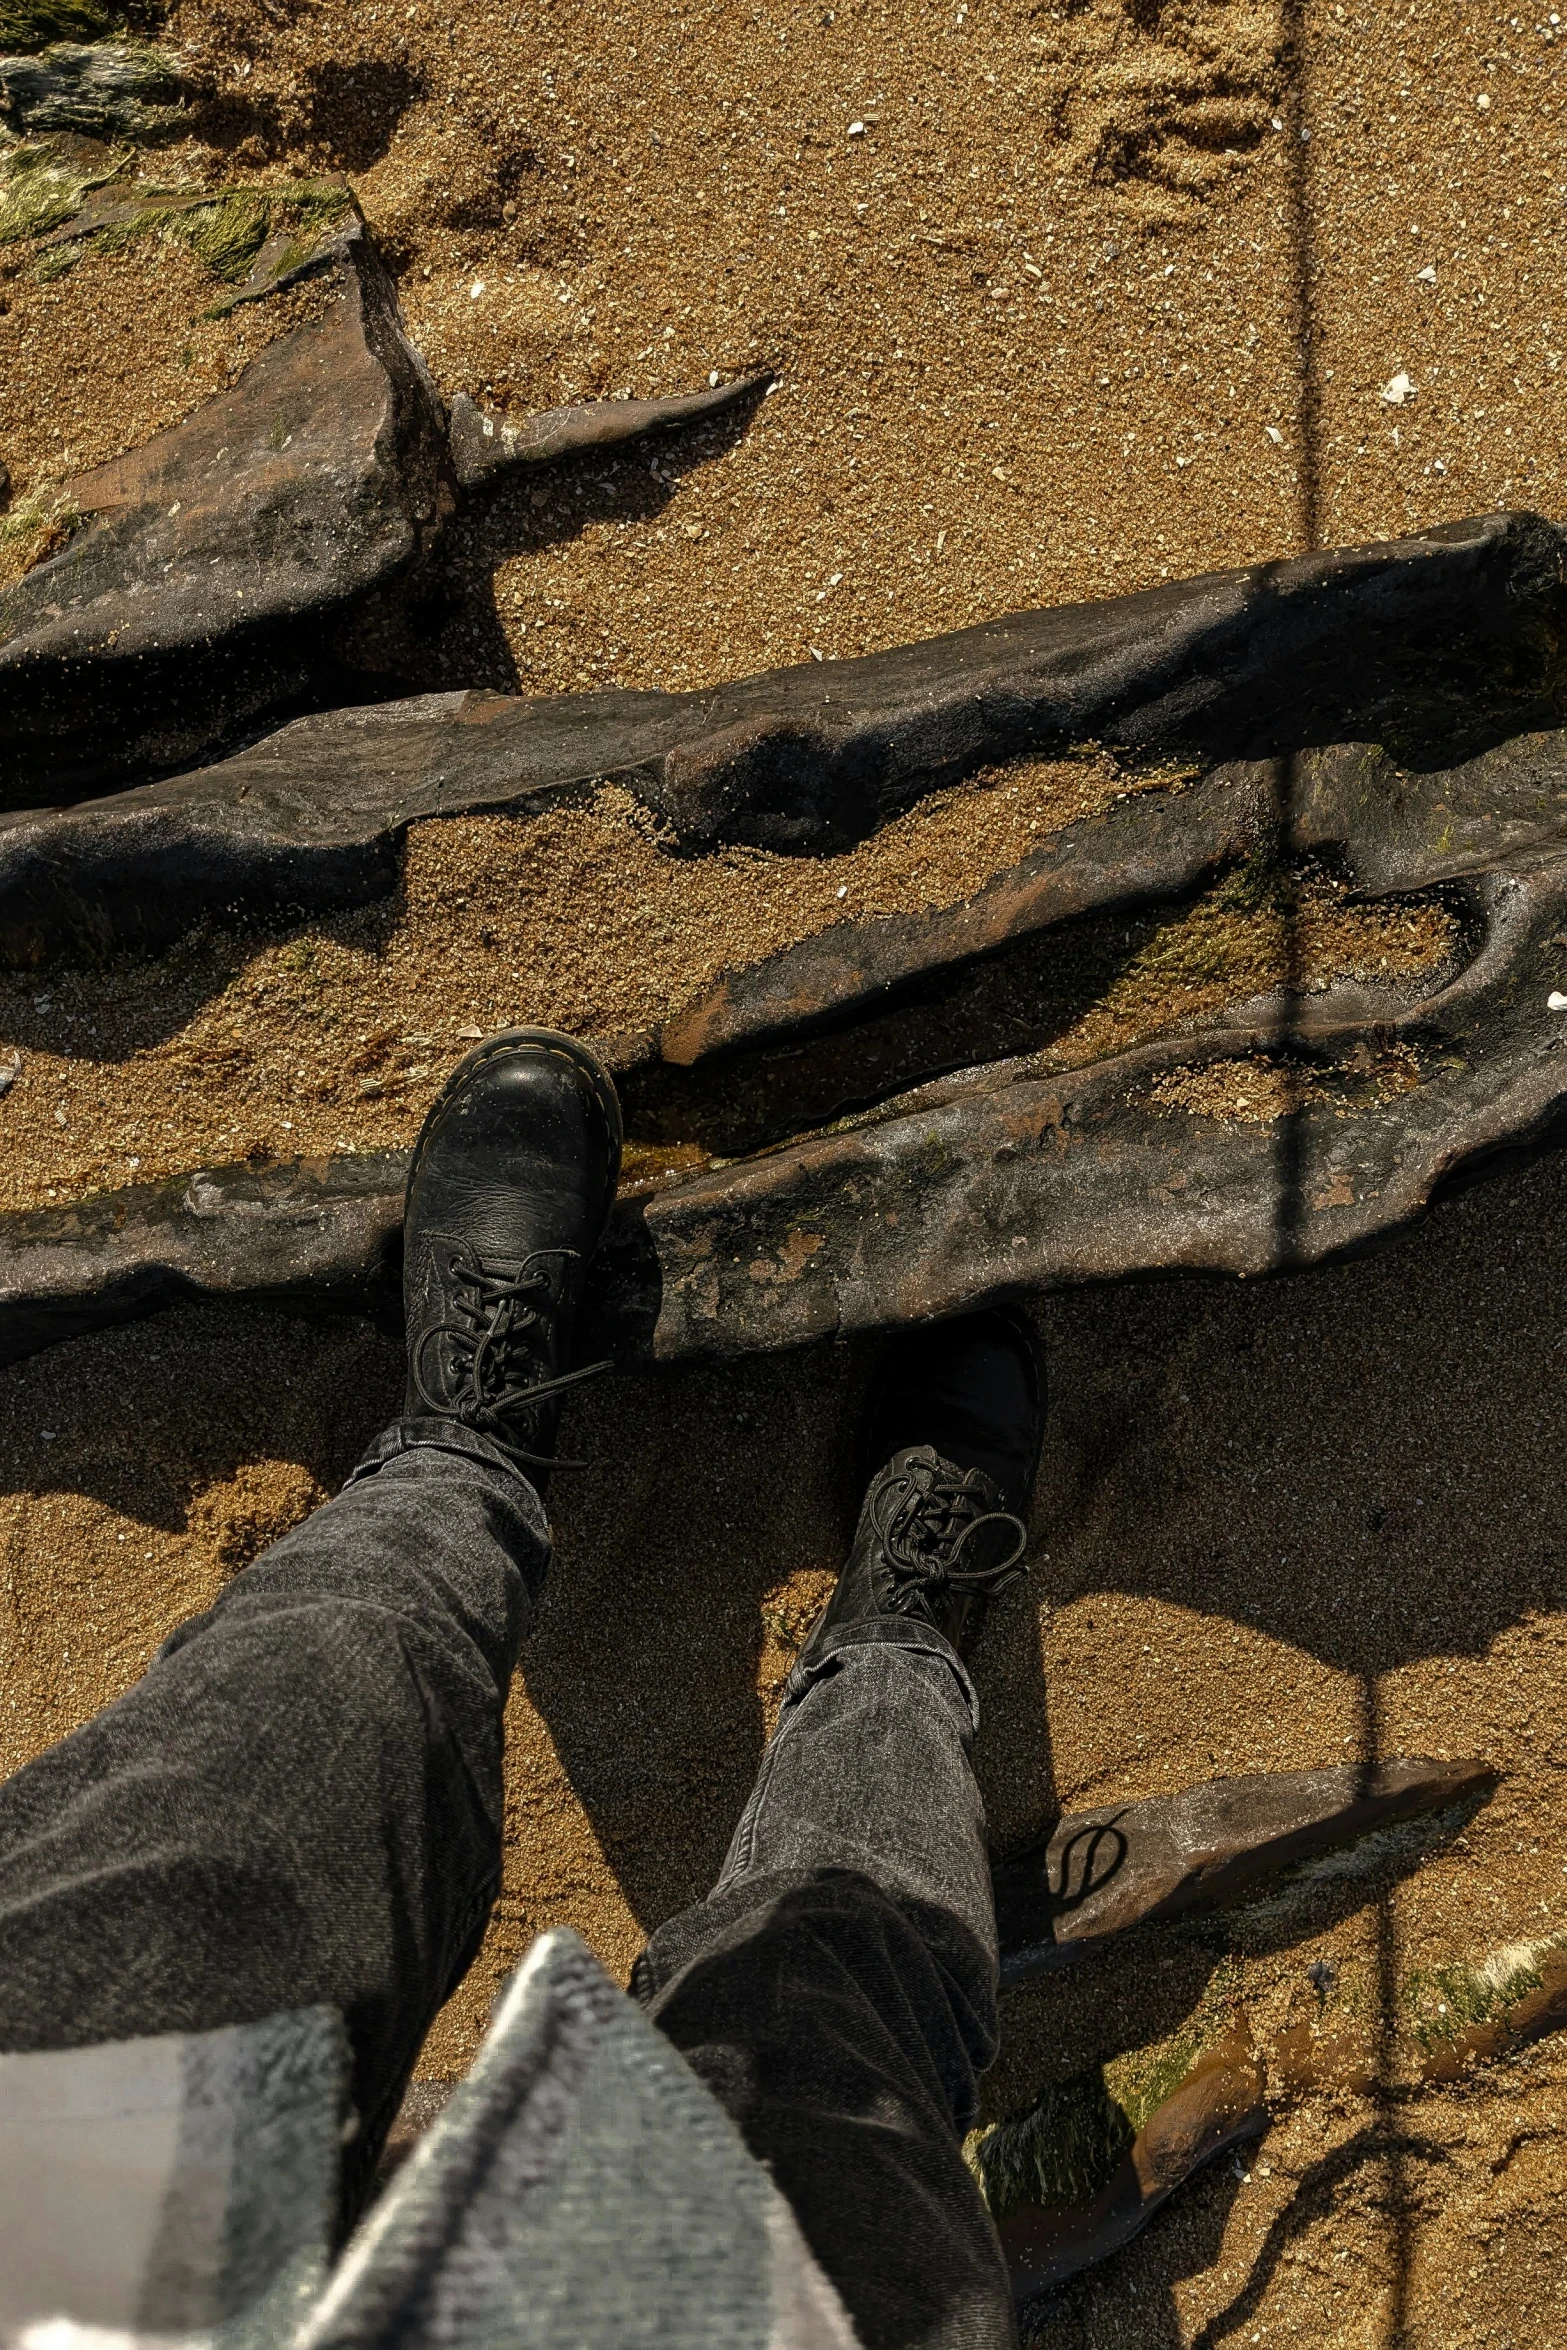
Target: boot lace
(926, 1522)
(495, 1346)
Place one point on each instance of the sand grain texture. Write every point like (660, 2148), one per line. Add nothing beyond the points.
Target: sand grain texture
(1093, 297)
(1279, 1525)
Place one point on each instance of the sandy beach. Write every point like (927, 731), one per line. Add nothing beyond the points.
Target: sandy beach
(1060, 303)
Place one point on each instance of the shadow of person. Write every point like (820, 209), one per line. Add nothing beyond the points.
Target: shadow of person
(1360, 1463)
(106, 1009)
(1013, 1760)
(1315, 2197)
(142, 1467)
(1132, 2297)
(720, 1498)
(1356, 1462)
(145, 1419)
(713, 1496)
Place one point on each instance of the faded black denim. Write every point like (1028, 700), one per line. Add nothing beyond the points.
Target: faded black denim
(837, 1989)
(300, 1804)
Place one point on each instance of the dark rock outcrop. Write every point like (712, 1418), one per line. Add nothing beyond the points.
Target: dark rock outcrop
(899, 1142)
(1074, 2176)
(314, 1233)
(1435, 647)
(173, 614)
(225, 572)
(906, 1159)
(1107, 1872)
(1004, 1177)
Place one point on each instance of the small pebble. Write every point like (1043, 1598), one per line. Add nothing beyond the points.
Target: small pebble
(1397, 390)
(10, 1071)
(1556, 1001)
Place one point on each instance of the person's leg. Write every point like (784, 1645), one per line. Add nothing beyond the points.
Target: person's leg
(837, 1994)
(837, 1990)
(300, 1803)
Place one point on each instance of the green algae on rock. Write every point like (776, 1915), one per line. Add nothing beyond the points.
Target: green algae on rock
(118, 89)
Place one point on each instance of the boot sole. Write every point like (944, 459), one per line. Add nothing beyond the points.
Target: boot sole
(551, 1040)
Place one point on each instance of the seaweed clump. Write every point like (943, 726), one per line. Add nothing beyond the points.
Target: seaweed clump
(118, 89)
(1068, 2144)
(254, 239)
(27, 26)
(40, 190)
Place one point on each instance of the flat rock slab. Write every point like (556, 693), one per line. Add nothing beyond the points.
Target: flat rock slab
(172, 616)
(1102, 1872)
(998, 1180)
(1434, 648)
(311, 1233)
(1105, 1872)
(1396, 830)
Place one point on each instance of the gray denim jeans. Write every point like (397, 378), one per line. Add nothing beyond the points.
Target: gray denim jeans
(300, 1804)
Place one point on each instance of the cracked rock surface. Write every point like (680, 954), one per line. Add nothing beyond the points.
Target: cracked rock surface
(1433, 646)
(903, 1151)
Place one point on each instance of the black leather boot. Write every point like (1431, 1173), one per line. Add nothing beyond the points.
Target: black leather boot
(510, 1187)
(954, 1448)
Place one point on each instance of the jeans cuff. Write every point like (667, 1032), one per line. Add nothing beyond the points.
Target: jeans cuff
(881, 1632)
(434, 1435)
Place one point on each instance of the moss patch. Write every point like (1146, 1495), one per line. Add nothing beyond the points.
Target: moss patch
(1058, 2154)
(1064, 2149)
(1263, 1088)
(34, 527)
(1263, 930)
(109, 90)
(1444, 2002)
(40, 190)
(226, 228)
